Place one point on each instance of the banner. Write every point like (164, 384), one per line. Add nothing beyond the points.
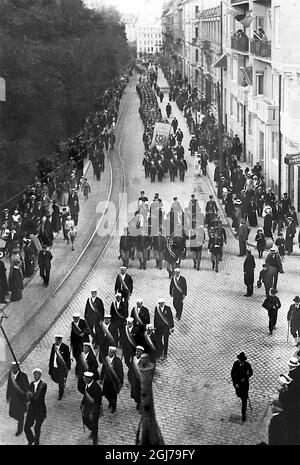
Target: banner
(161, 134)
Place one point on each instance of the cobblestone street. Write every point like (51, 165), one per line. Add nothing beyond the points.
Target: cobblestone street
(194, 399)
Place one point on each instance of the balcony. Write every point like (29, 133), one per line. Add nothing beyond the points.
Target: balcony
(239, 1)
(242, 94)
(264, 109)
(260, 48)
(241, 44)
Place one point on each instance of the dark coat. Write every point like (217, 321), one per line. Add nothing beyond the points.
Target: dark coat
(90, 411)
(3, 282)
(249, 265)
(93, 315)
(78, 338)
(160, 324)
(294, 317)
(16, 284)
(150, 344)
(277, 432)
(175, 292)
(123, 311)
(119, 286)
(112, 379)
(241, 372)
(60, 373)
(130, 341)
(92, 366)
(44, 259)
(56, 218)
(17, 400)
(37, 408)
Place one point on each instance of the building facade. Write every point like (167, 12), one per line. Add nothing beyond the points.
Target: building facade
(148, 36)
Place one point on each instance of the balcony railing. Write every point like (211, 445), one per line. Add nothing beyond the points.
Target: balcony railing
(240, 43)
(261, 48)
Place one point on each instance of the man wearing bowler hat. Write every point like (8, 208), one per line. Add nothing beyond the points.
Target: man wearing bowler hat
(16, 395)
(37, 410)
(240, 374)
(293, 317)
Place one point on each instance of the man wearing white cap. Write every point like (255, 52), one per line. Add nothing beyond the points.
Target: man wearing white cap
(93, 314)
(178, 290)
(118, 313)
(141, 317)
(150, 343)
(37, 410)
(112, 376)
(124, 284)
(164, 324)
(91, 405)
(86, 362)
(16, 395)
(59, 364)
(135, 377)
(105, 338)
(79, 335)
(129, 342)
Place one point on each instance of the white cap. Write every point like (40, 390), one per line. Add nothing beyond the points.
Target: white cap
(107, 315)
(161, 301)
(112, 348)
(140, 348)
(76, 315)
(118, 293)
(15, 363)
(88, 374)
(285, 379)
(150, 326)
(37, 370)
(139, 300)
(58, 336)
(177, 269)
(293, 362)
(87, 344)
(129, 318)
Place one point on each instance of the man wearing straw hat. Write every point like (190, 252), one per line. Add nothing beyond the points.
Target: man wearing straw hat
(277, 431)
(16, 395)
(294, 387)
(91, 405)
(37, 410)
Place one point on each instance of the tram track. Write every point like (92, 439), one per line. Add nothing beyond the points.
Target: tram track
(37, 327)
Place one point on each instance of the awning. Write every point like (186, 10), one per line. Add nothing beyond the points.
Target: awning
(222, 62)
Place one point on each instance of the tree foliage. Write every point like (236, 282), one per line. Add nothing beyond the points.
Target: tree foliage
(57, 57)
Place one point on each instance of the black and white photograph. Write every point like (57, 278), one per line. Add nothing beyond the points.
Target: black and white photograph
(149, 225)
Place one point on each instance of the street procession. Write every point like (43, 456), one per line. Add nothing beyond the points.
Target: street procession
(150, 262)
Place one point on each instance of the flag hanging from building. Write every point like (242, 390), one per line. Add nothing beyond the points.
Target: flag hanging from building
(161, 134)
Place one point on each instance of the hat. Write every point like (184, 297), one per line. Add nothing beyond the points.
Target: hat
(238, 201)
(139, 300)
(123, 267)
(88, 374)
(149, 326)
(285, 379)
(177, 269)
(296, 299)
(293, 362)
(272, 249)
(129, 318)
(118, 293)
(1, 254)
(161, 301)
(259, 229)
(107, 315)
(276, 403)
(58, 336)
(242, 356)
(76, 315)
(112, 348)
(87, 344)
(140, 348)
(37, 369)
(15, 363)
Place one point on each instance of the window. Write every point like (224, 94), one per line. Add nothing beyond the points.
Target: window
(277, 31)
(196, 32)
(231, 67)
(196, 9)
(260, 22)
(238, 113)
(259, 84)
(231, 105)
(242, 115)
(275, 143)
(250, 123)
(197, 54)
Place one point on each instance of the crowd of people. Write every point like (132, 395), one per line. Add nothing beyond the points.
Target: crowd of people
(51, 204)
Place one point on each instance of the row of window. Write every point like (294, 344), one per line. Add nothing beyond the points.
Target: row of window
(149, 42)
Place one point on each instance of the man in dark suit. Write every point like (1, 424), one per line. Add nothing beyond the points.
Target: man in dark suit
(93, 314)
(178, 290)
(37, 410)
(124, 284)
(135, 377)
(125, 248)
(118, 313)
(240, 373)
(164, 325)
(141, 317)
(128, 342)
(44, 261)
(277, 431)
(150, 343)
(86, 362)
(91, 405)
(112, 376)
(79, 335)
(3, 281)
(16, 395)
(59, 364)
(105, 337)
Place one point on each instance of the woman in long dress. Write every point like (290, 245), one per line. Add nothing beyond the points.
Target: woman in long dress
(16, 282)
